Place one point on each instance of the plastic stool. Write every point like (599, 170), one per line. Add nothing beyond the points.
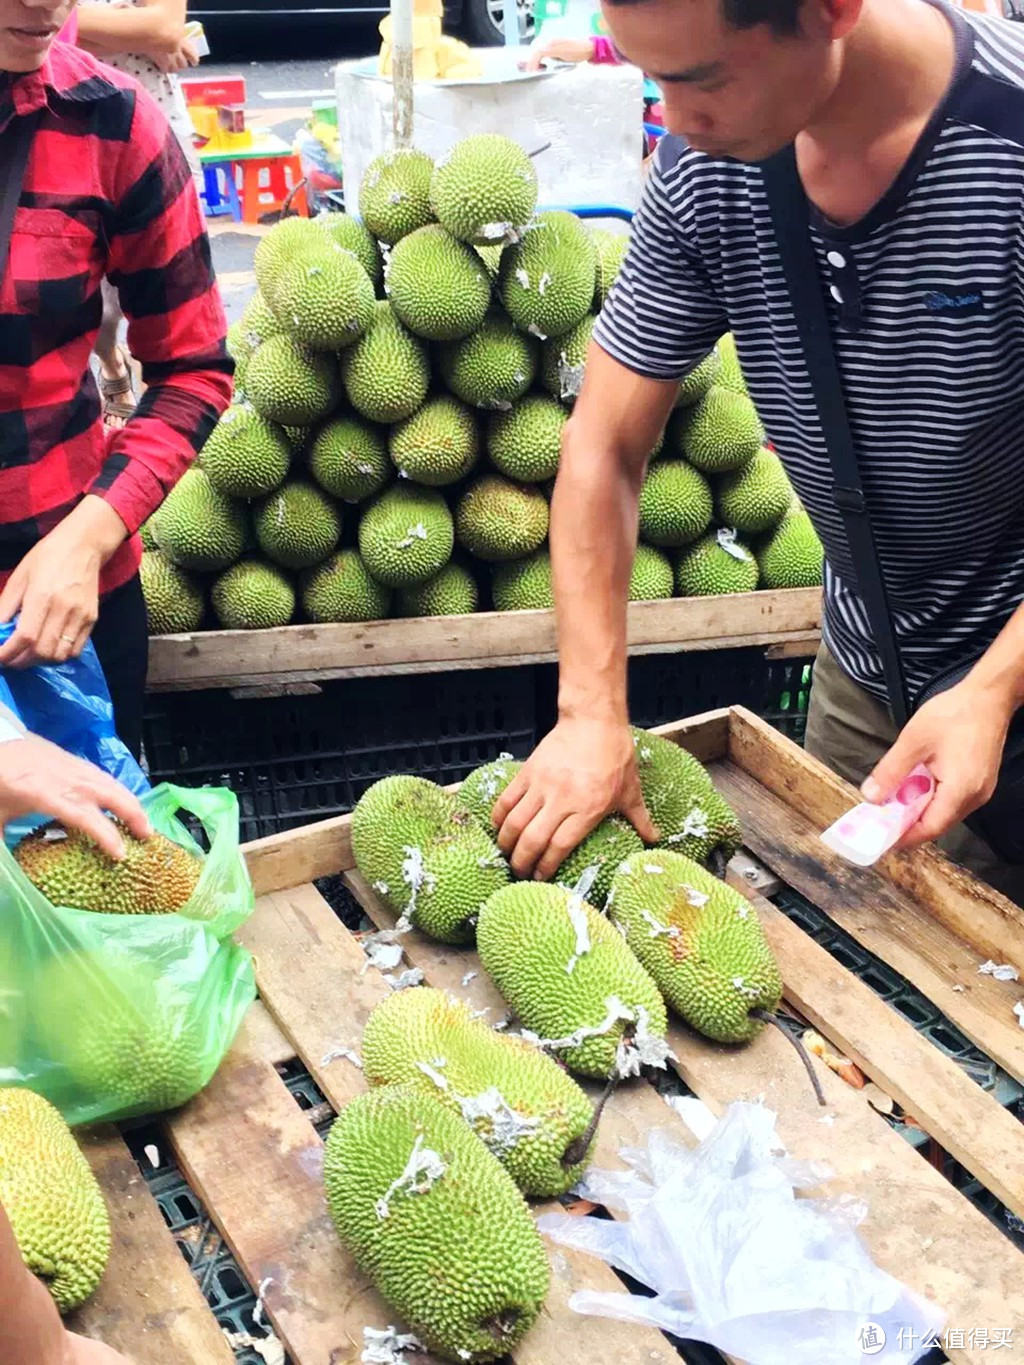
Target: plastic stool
(284, 172)
(218, 203)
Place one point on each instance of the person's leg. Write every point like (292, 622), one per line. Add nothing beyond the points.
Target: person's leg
(121, 637)
(116, 377)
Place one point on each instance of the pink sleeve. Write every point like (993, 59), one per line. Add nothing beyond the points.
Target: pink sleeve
(605, 53)
(69, 33)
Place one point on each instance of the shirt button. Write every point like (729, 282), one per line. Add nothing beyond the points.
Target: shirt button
(834, 258)
(836, 293)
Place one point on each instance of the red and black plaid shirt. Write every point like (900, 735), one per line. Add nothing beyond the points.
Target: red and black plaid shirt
(107, 192)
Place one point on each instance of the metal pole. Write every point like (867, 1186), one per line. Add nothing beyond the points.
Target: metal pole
(401, 71)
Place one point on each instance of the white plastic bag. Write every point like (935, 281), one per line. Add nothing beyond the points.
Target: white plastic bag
(737, 1260)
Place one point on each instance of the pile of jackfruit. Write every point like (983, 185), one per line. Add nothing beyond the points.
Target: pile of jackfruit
(403, 384)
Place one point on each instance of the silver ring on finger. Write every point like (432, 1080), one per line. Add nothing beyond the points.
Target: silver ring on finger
(69, 639)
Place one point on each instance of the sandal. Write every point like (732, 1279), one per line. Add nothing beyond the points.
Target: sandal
(115, 392)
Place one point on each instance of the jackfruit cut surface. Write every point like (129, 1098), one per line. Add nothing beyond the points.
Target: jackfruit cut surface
(438, 286)
(199, 527)
(387, 372)
(437, 445)
(348, 457)
(548, 278)
(354, 236)
(699, 380)
(718, 563)
(675, 504)
(298, 526)
(497, 519)
(691, 816)
(485, 189)
(406, 535)
(524, 584)
(701, 941)
(342, 589)
(394, 195)
(452, 592)
(291, 384)
(481, 788)
(156, 875)
(430, 860)
(246, 456)
(175, 601)
(590, 867)
(491, 368)
(651, 577)
(722, 432)
(525, 443)
(731, 375)
(252, 595)
(324, 299)
(286, 241)
(52, 1198)
(436, 1222)
(517, 1100)
(611, 252)
(572, 980)
(792, 556)
(754, 499)
(564, 361)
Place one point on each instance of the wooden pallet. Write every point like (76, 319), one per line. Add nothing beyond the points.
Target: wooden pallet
(789, 621)
(254, 1159)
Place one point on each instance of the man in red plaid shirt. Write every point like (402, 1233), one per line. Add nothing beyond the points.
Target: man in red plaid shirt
(106, 192)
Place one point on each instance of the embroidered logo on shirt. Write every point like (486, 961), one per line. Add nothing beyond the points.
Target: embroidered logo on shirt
(954, 301)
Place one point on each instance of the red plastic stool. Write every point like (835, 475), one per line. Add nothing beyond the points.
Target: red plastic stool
(283, 173)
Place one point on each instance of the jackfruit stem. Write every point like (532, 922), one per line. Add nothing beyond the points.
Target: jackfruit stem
(768, 1018)
(577, 1149)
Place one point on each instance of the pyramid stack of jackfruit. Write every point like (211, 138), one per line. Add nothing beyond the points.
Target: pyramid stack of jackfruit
(403, 382)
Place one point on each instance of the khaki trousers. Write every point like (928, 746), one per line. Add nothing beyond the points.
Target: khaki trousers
(850, 730)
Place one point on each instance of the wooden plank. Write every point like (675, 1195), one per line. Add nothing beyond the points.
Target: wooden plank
(975, 913)
(147, 1304)
(706, 735)
(887, 921)
(486, 639)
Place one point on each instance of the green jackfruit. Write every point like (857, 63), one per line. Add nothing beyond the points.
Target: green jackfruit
(518, 1101)
(590, 867)
(258, 322)
(755, 498)
(240, 352)
(730, 376)
(675, 504)
(482, 787)
(324, 299)
(438, 286)
(394, 196)
(406, 535)
(722, 432)
(147, 534)
(651, 578)
(564, 361)
(386, 372)
(246, 456)
(198, 527)
(286, 240)
(252, 595)
(175, 602)
(792, 556)
(353, 235)
(436, 1222)
(525, 443)
(298, 526)
(491, 257)
(491, 368)
(155, 877)
(524, 584)
(497, 519)
(485, 189)
(437, 445)
(718, 563)
(699, 380)
(571, 980)
(348, 458)
(292, 385)
(297, 437)
(341, 589)
(52, 1198)
(431, 861)
(549, 277)
(701, 941)
(691, 816)
(452, 592)
(611, 252)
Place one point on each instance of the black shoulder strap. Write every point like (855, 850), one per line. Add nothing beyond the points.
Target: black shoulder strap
(18, 138)
(788, 205)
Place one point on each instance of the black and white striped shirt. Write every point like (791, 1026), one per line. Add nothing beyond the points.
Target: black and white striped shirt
(926, 301)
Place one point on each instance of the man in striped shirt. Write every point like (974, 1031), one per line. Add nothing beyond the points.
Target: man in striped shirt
(908, 123)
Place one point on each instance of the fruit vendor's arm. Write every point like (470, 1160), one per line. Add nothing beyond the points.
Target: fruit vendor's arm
(151, 30)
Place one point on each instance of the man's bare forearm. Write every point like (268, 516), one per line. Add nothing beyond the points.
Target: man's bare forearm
(998, 676)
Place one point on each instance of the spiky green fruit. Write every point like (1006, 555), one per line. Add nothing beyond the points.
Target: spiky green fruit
(485, 189)
(341, 589)
(354, 236)
(611, 252)
(406, 535)
(394, 196)
(564, 361)
(592, 864)
(292, 385)
(675, 504)
(323, 299)
(525, 443)
(572, 980)
(718, 563)
(349, 458)
(257, 322)
(792, 556)
(491, 257)
(298, 526)
(482, 787)
(699, 380)
(497, 519)
(730, 376)
(199, 527)
(452, 592)
(651, 578)
(386, 372)
(147, 534)
(431, 861)
(286, 241)
(518, 1101)
(548, 278)
(246, 456)
(722, 432)
(252, 595)
(701, 941)
(524, 584)
(755, 498)
(437, 285)
(491, 368)
(690, 815)
(175, 602)
(436, 1222)
(437, 445)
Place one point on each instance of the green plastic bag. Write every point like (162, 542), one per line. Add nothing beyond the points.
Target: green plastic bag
(116, 1016)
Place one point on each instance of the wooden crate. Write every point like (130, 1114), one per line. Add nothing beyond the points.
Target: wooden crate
(254, 1158)
(790, 620)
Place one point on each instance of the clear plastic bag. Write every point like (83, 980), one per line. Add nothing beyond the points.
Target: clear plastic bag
(736, 1260)
(113, 1016)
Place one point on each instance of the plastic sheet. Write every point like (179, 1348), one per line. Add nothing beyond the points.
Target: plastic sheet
(736, 1259)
